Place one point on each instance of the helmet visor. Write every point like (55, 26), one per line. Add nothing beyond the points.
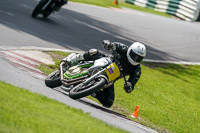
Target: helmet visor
(136, 57)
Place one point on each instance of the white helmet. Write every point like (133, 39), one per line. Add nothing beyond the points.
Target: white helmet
(136, 53)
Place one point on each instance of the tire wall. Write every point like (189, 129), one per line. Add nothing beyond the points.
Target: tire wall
(185, 9)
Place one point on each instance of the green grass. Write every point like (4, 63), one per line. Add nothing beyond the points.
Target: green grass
(109, 3)
(24, 112)
(168, 96)
(57, 57)
(103, 3)
(139, 8)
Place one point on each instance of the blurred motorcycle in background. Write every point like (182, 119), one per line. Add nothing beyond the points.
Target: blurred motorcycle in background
(46, 7)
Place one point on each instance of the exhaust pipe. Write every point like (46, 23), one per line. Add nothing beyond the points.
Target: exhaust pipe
(61, 71)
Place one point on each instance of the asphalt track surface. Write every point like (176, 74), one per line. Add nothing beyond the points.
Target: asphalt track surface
(79, 26)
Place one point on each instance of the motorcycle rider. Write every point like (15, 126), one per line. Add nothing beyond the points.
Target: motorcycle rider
(130, 58)
(61, 3)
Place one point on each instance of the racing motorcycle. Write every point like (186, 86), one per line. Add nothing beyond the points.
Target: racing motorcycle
(87, 77)
(46, 7)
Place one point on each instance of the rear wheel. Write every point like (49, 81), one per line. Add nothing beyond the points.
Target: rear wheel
(38, 8)
(82, 90)
(53, 79)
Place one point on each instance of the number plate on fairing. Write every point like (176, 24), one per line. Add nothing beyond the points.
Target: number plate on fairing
(112, 71)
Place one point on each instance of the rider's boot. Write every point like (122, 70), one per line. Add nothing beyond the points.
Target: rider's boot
(106, 96)
(61, 3)
(94, 95)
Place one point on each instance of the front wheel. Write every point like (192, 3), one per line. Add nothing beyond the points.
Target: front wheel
(38, 8)
(82, 90)
(53, 79)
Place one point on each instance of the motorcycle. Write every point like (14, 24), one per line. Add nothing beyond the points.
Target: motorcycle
(46, 7)
(87, 77)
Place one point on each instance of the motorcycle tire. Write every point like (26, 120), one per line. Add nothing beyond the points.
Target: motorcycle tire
(53, 79)
(38, 8)
(79, 91)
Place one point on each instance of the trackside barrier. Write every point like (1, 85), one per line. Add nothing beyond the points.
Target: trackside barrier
(185, 9)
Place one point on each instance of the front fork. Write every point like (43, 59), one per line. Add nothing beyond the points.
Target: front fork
(98, 74)
(61, 71)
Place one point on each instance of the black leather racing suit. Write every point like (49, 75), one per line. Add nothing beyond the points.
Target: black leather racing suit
(106, 96)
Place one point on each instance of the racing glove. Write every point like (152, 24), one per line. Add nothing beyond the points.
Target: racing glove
(108, 45)
(128, 87)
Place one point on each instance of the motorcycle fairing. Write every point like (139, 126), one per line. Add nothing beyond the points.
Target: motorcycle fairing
(112, 72)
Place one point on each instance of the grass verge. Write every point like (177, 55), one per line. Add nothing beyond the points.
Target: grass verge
(168, 96)
(57, 56)
(24, 112)
(109, 3)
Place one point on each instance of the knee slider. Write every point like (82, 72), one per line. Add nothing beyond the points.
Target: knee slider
(93, 52)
